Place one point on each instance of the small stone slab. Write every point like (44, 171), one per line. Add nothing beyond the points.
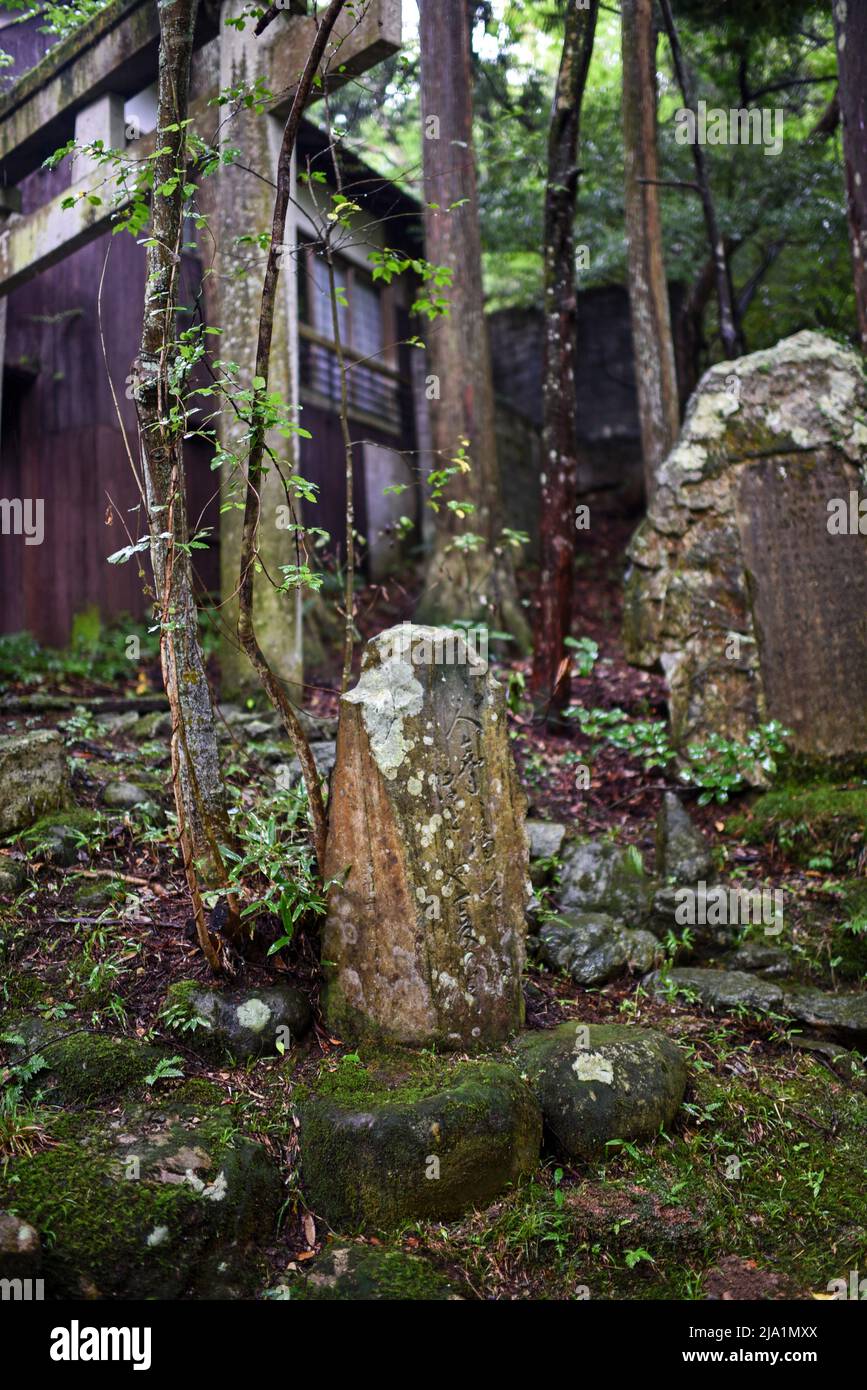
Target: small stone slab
(597, 1082)
(841, 1016)
(372, 1159)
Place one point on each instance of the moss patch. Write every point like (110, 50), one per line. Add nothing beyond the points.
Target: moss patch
(824, 826)
(146, 1205)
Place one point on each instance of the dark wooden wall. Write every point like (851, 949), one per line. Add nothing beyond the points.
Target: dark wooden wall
(60, 440)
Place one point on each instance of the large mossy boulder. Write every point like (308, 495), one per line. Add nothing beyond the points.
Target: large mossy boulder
(601, 876)
(424, 941)
(147, 1204)
(745, 586)
(600, 1082)
(381, 1145)
(33, 778)
(238, 1023)
(81, 1067)
(363, 1273)
(593, 948)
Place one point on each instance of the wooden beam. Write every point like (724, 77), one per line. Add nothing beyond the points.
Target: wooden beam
(114, 52)
(89, 78)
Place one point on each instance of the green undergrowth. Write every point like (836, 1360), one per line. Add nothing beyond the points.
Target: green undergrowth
(766, 1165)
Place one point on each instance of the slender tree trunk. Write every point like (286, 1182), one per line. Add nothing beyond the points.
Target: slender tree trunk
(199, 792)
(255, 463)
(550, 681)
(729, 328)
(474, 584)
(850, 27)
(652, 344)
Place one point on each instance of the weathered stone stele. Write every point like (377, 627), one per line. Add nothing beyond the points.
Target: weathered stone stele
(424, 938)
(740, 585)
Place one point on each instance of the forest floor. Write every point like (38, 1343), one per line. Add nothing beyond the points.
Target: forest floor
(96, 940)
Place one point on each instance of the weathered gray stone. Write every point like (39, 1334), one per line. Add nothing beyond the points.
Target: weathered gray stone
(33, 778)
(682, 853)
(737, 545)
(600, 876)
(126, 796)
(594, 948)
(771, 961)
(20, 1248)
(545, 838)
(374, 1157)
(598, 1082)
(839, 1016)
(241, 1023)
(324, 755)
(364, 1273)
(707, 938)
(722, 989)
(424, 939)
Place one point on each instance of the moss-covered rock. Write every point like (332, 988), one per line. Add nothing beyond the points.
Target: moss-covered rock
(147, 1204)
(33, 778)
(601, 876)
(599, 1082)
(84, 1068)
(592, 948)
(62, 836)
(380, 1147)
(364, 1273)
(238, 1023)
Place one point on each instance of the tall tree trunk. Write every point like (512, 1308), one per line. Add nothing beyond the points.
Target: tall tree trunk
(550, 680)
(476, 584)
(255, 463)
(729, 328)
(652, 344)
(850, 27)
(199, 792)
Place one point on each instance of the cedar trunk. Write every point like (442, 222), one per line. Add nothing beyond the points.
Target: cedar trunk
(550, 682)
(473, 584)
(198, 785)
(850, 26)
(652, 343)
